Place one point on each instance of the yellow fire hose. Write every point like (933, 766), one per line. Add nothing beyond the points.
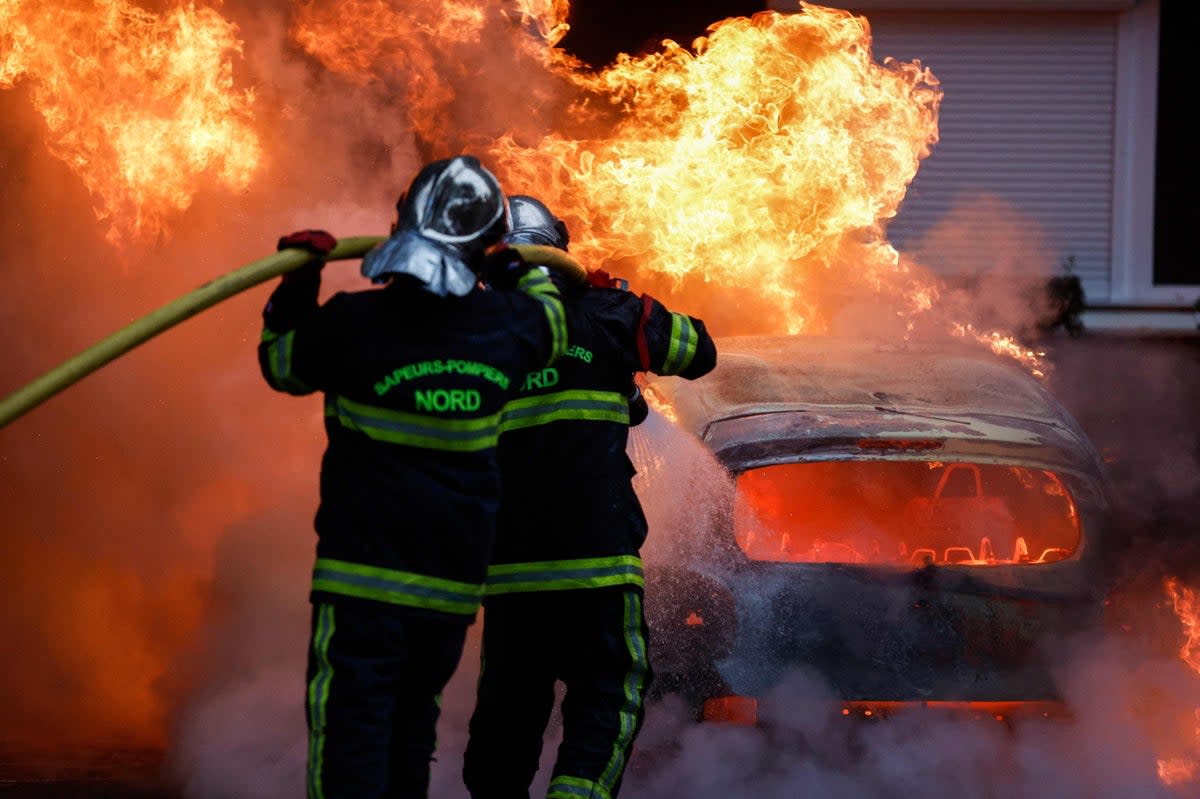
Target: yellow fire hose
(75, 369)
(71, 371)
(551, 258)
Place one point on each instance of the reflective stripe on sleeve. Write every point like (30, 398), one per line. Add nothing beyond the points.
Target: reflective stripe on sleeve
(683, 345)
(542, 289)
(279, 360)
(414, 429)
(562, 575)
(595, 406)
(396, 587)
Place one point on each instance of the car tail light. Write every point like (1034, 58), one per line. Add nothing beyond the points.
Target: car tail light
(900, 443)
(732, 710)
(1004, 711)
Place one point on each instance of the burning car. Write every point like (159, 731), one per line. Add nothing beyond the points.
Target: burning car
(908, 526)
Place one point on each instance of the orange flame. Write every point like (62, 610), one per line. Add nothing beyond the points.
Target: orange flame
(771, 154)
(658, 402)
(466, 70)
(751, 177)
(1183, 599)
(1185, 769)
(548, 18)
(1178, 770)
(370, 35)
(367, 40)
(139, 104)
(1006, 345)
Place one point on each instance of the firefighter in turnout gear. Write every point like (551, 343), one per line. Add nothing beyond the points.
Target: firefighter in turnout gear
(414, 375)
(564, 591)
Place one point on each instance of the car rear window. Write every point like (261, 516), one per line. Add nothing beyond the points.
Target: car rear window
(906, 513)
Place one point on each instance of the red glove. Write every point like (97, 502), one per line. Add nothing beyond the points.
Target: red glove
(318, 242)
(601, 278)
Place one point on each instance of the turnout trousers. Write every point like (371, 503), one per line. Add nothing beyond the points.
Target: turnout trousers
(594, 641)
(375, 678)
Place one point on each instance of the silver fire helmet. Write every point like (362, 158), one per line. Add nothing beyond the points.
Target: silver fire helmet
(533, 223)
(452, 212)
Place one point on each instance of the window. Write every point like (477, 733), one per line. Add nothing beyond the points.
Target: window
(906, 514)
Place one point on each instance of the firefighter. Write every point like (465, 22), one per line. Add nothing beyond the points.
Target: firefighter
(414, 376)
(564, 591)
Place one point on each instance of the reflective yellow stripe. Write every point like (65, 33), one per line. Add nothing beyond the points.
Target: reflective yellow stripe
(596, 406)
(396, 587)
(279, 359)
(414, 429)
(318, 700)
(635, 686)
(563, 575)
(542, 289)
(682, 348)
(564, 787)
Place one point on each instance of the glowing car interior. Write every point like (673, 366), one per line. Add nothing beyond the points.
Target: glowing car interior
(904, 513)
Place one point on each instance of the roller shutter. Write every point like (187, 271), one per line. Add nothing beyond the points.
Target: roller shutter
(1026, 125)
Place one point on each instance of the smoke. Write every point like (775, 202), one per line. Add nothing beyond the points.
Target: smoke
(994, 262)
(1104, 751)
(1144, 423)
(981, 274)
(158, 538)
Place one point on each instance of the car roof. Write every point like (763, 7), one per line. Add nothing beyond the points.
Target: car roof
(763, 385)
(760, 373)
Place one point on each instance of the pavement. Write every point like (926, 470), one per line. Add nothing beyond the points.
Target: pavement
(99, 772)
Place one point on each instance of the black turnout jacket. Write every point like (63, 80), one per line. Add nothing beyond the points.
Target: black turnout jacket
(569, 517)
(414, 387)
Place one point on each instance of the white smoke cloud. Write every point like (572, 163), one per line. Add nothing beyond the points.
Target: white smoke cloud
(1107, 751)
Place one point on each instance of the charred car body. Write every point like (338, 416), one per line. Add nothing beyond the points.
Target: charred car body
(911, 527)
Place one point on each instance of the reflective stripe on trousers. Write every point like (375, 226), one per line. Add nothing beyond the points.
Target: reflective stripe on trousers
(563, 575)
(566, 786)
(318, 698)
(395, 587)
